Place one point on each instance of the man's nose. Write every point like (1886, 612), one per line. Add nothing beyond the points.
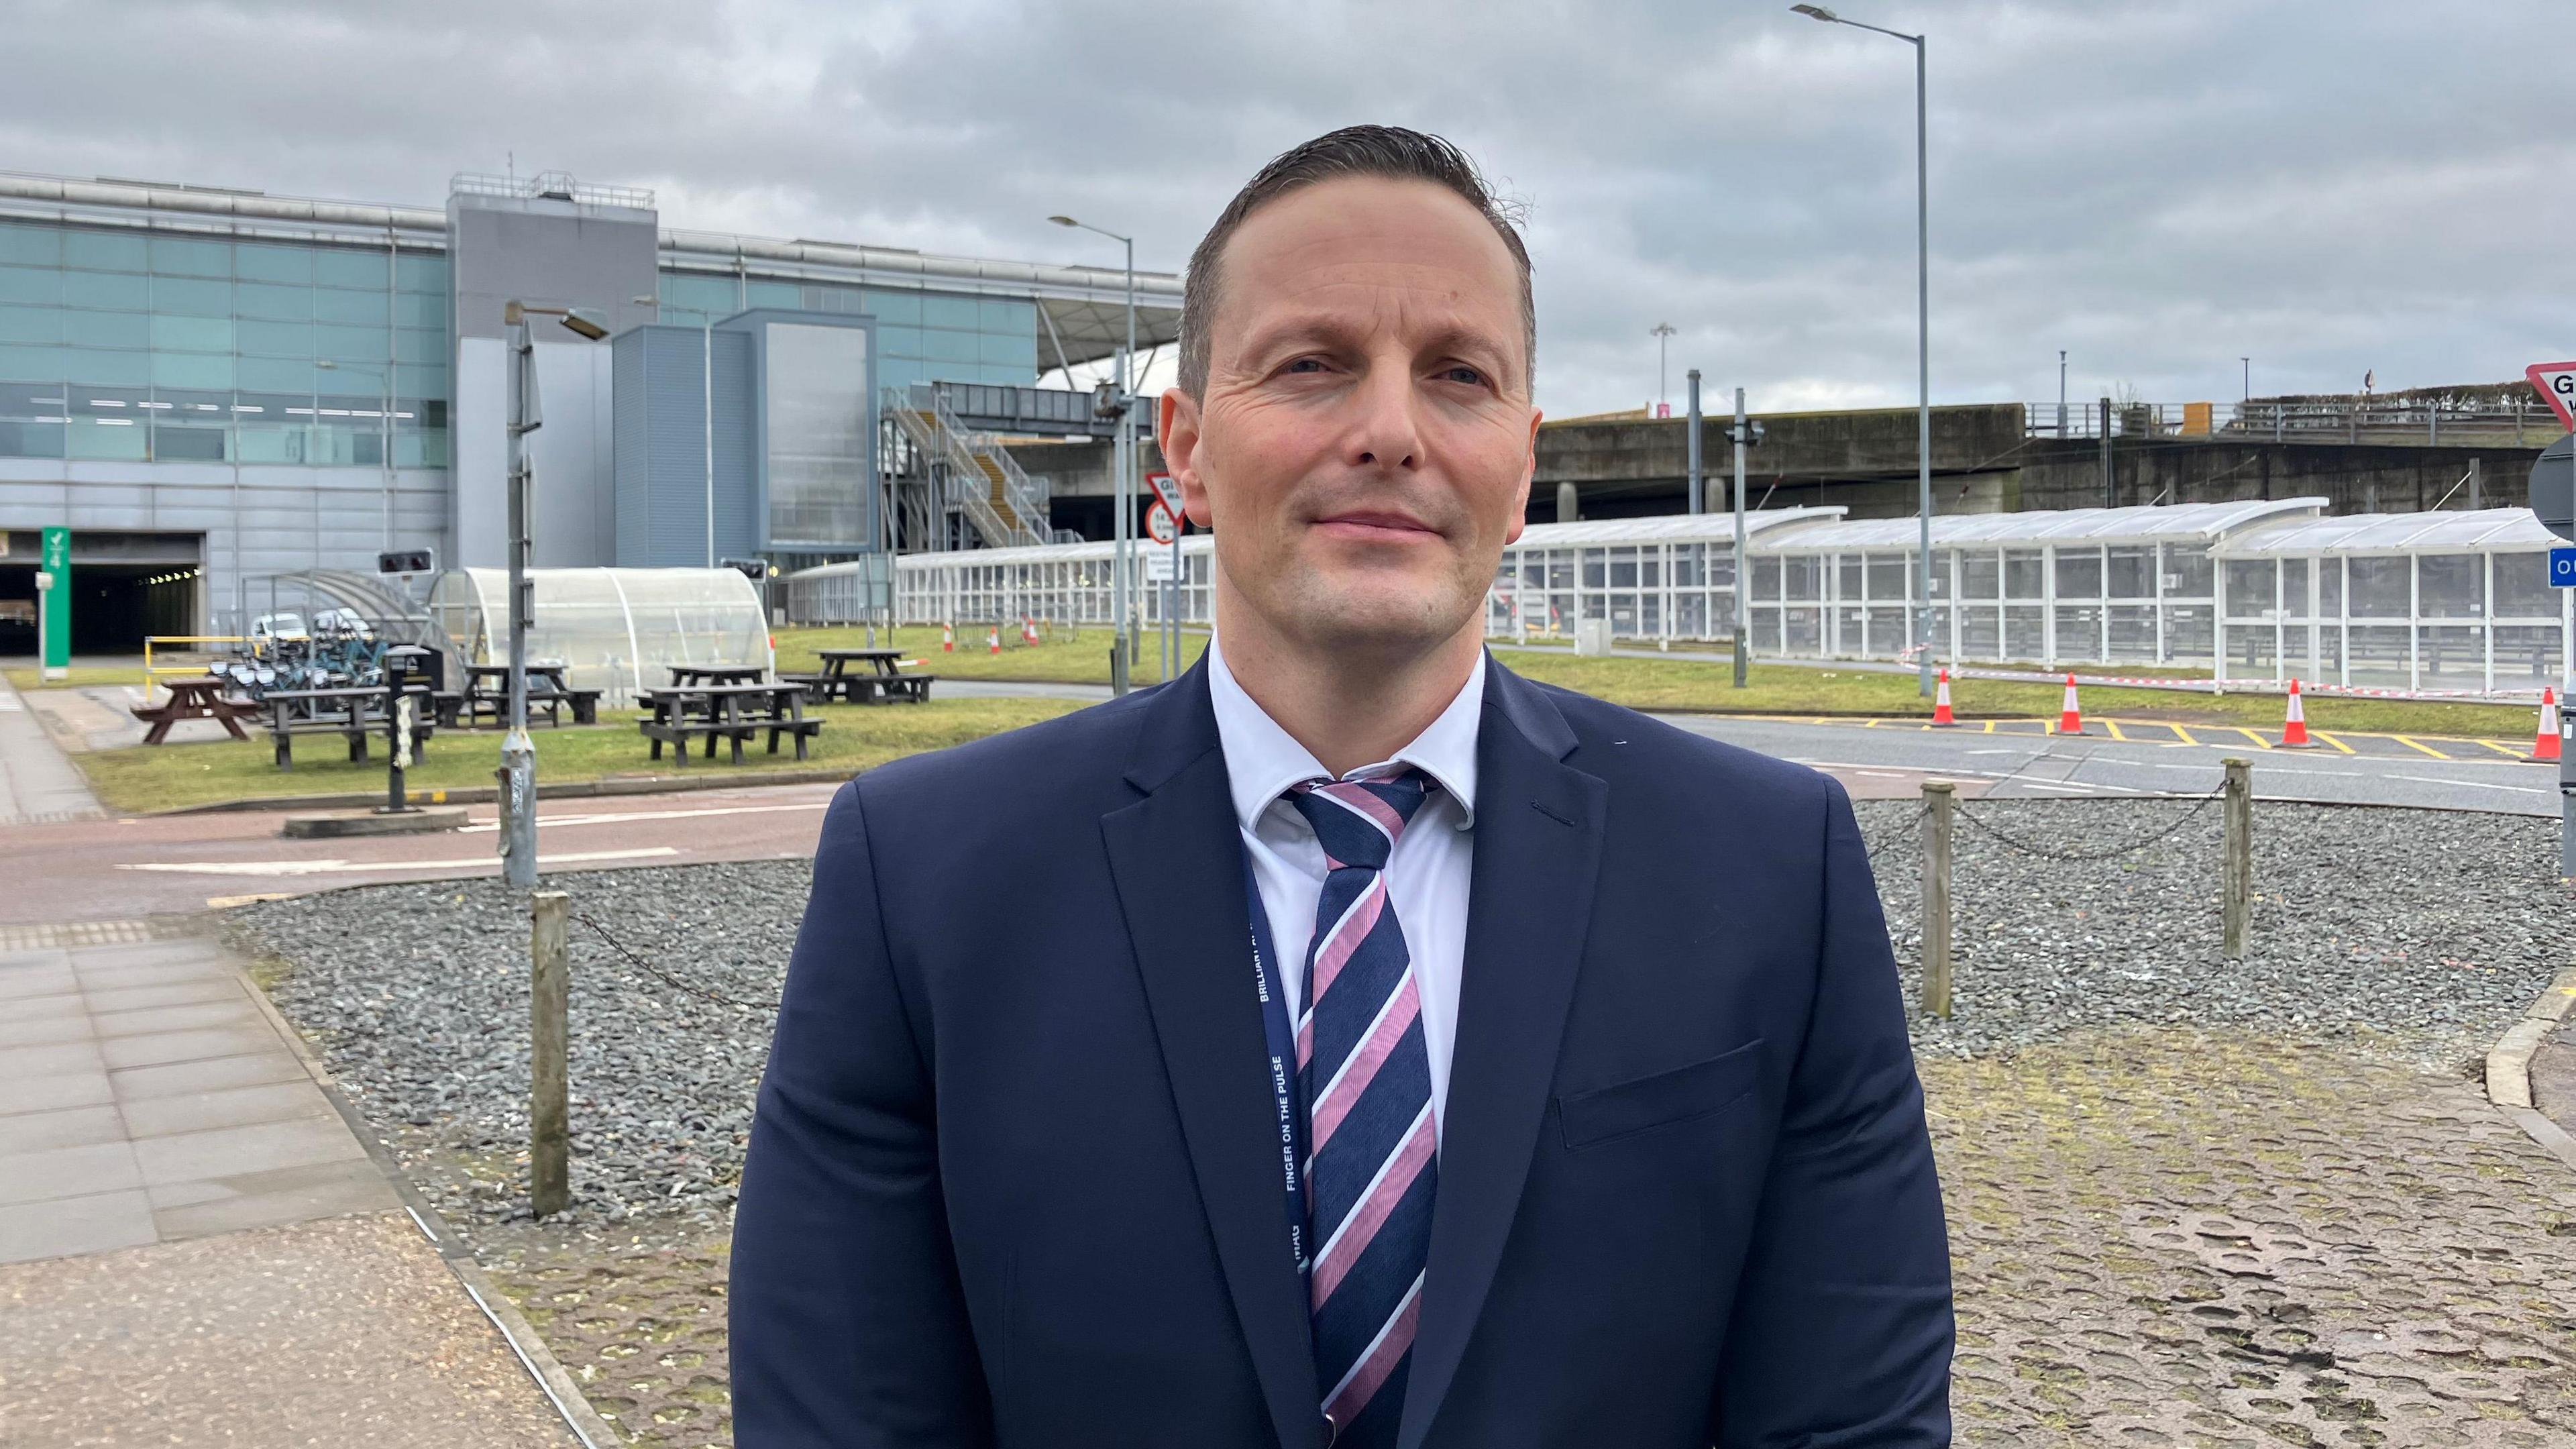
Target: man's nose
(1385, 434)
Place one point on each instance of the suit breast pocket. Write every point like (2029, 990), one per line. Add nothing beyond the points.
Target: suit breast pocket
(1664, 1099)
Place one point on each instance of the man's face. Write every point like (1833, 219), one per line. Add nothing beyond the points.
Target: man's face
(1365, 440)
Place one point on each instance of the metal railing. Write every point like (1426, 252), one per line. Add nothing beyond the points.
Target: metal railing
(552, 185)
(2519, 422)
(983, 482)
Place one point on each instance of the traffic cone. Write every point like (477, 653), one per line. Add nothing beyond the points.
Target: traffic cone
(1941, 703)
(947, 638)
(1028, 630)
(2544, 745)
(993, 638)
(2070, 718)
(2294, 729)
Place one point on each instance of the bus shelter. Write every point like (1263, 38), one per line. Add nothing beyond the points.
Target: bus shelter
(614, 630)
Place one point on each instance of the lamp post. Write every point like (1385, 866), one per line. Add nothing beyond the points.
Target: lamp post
(1663, 335)
(1123, 488)
(2249, 377)
(1922, 345)
(518, 753)
(2061, 394)
(385, 431)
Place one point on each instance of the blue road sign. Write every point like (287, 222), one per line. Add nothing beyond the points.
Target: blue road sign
(2562, 568)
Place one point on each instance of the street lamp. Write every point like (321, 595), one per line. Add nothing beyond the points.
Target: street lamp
(1123, 487)
(1922, 342)
(518, 753)
(1663, 335)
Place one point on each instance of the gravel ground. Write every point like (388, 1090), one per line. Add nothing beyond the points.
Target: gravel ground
(2421, 933)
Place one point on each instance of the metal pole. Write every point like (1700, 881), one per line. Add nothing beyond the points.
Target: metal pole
(1938, 798)
(1122, 492)
(1694, 442)
(518, 752)
(1743, 579)
(549, 1002)
(707, 377)
(2236, 898)
(1923, 367)
(2061, 392)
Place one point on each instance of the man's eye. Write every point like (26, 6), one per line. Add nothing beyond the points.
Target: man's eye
(1306, 364)
(1467, 375)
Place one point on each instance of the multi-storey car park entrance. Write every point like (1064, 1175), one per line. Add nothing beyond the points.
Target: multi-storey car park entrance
(125, 586)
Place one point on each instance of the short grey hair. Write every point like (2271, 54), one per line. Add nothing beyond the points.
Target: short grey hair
(1389, 153)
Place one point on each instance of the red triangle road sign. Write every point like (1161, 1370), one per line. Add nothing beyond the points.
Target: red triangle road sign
(2557, 384)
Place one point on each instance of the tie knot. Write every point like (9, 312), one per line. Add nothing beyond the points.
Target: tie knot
(1358, 821)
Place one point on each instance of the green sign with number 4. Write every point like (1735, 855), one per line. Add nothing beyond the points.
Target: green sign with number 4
(54, 579)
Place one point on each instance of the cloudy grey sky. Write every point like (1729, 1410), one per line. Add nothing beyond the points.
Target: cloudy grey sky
(2159, 188)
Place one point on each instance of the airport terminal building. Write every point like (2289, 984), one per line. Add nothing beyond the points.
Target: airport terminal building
(222, 393)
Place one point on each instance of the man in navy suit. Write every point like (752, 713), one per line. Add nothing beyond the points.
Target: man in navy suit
(1349, 1043)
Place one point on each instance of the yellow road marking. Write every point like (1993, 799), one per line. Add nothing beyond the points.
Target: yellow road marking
(2411, 743)
(2331, 740)
(2508, 751)
(2114, 727)
(2184, 733)
(1990, 727)
(2260, 743)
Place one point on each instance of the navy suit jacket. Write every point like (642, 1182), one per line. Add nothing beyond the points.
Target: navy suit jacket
(1013, 1176)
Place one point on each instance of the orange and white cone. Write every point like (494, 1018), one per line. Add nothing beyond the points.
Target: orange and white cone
(2070, 717)
(993, 638)
(1028, 630)
(947, 638)
(2544, 745)
(1941, 703)
(2294, 728)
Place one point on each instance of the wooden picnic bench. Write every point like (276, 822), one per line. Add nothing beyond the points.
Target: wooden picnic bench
(353, 711)
(684, 675)
(731, 712)
(198, 698)
(487, 693)
(864, 676)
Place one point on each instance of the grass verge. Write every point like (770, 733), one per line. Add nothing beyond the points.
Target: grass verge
(27, 678)
(1702, 685)
(858, 737)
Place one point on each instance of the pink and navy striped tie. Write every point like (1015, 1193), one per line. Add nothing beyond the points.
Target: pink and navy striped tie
(1366, 1081)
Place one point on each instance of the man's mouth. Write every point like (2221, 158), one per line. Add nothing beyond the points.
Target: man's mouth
(1377, 525)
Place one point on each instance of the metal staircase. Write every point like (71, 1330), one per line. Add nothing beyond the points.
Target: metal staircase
(979, 477)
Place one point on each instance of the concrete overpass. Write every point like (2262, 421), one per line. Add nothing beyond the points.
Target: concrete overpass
(1985, 458)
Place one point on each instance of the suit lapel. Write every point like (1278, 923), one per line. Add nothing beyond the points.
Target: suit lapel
(1538, 844)
(1177, 859)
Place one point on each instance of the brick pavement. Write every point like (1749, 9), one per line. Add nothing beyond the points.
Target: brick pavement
(2161, 1240)
(194, 1247)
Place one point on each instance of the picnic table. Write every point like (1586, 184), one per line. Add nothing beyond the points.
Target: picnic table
(198, 698)
(352, 711)
(684, 675)
(864, 676)
(487, 692)
(732, 712)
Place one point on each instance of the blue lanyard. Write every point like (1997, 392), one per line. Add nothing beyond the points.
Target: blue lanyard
(1282, 1039)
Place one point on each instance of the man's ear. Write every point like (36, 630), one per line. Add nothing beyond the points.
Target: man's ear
(1176, 428)
(1529, 472)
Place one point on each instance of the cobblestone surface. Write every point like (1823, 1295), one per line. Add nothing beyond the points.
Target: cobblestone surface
(2197, 1240)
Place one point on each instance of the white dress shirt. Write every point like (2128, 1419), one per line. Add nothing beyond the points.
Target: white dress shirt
(1426, 875)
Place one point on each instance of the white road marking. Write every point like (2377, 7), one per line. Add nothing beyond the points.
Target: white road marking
(345, 867)
(618, 817)
(2473, 784)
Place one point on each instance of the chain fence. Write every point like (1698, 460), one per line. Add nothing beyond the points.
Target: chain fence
(2011, 842)
(667, 979)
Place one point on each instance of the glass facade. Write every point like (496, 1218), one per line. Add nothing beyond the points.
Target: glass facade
(921, 336)
(817, 435)
(148, 347)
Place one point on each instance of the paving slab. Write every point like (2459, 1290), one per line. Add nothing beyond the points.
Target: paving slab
(65, 1127)
(343, 1330)
(37, 781)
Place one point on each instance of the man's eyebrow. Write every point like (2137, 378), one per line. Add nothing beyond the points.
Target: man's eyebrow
(1334, 330)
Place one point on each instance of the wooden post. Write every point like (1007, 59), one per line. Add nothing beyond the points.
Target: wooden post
(2236, 890)
(549, 994)
(1938, 796)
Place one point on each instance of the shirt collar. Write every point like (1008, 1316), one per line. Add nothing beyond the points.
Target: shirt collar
(1263, 760)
